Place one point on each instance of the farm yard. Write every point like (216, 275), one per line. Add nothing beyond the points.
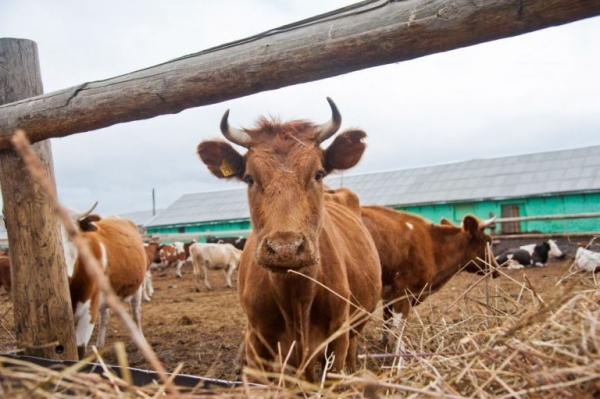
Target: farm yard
(203, 330)
(528, 333)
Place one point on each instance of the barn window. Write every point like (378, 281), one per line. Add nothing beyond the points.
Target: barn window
(181, 229)
(510, 211)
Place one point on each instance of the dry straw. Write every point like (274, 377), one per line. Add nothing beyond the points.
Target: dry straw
(493, 341)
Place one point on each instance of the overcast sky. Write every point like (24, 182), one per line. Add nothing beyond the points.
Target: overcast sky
(533, 93)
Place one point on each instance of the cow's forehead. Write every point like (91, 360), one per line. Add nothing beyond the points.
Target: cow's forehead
(288, 159)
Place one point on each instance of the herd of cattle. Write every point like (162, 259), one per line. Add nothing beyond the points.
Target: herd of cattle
(316, 263)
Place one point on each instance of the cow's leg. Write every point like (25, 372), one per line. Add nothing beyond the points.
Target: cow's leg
(205, 268)
(84, 326)
(228, 274)
(387, 316)
(400, 312)
(103, 316)
(196, 271)
(352, 355)
(340, 348)
(150, 285)
(147, 290)
(178, 269)
(258, 355)
(513, 264)
(135, 303)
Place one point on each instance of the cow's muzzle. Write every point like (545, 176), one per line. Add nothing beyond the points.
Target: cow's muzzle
(285, 250)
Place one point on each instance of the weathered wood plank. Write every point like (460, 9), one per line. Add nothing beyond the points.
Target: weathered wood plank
(371, 34)
(42, 303)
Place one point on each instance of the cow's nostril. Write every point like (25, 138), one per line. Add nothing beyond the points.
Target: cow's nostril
(285, 249)
(277, 246)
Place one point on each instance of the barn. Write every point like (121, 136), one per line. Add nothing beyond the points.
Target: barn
(546, 183)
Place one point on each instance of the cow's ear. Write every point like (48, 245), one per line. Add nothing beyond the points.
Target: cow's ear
(446, 222)
(87, 223)
(345, 151)
(221, 159)
(470, 224)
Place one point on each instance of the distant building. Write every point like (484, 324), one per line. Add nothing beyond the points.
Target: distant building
(140, 218)
(550, 183)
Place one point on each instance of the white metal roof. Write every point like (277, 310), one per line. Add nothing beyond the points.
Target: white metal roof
(140, 218)
(566, 171)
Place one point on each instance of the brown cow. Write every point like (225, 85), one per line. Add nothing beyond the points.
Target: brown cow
(299, 239)
(419, 257)
(117, 245)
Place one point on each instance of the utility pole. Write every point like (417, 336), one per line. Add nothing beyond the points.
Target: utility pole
(153, 203)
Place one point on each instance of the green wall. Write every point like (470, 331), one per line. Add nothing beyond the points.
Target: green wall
(215, 228)
(534, 206)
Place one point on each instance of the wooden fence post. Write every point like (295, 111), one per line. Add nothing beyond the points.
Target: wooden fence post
(42, 303)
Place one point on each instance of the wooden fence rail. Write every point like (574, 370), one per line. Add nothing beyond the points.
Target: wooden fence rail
(590, 215)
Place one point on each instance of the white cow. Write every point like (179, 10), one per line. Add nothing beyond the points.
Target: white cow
(587, 260)
(214, 256)
(554, 251)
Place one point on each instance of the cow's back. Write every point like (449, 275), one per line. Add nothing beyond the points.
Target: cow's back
(400, 238)
(125, 254)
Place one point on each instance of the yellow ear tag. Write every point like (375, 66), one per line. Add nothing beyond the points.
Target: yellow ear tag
(226, 168)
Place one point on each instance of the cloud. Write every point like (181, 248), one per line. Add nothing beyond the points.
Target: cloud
(531, 93)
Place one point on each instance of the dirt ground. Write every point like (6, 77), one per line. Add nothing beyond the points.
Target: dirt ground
(203, 330)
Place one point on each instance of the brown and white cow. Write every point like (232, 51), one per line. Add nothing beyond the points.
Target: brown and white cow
(175, 254)
(117, 245)
(418, 257)
(224, 257)
(301, 246)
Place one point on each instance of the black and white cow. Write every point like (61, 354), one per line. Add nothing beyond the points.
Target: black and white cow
(518, 258)
(553, 250)
(238, 242)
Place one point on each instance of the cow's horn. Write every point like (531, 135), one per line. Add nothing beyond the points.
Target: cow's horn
(329, 128)
(81, 215)
(487, 223)
(233, 134)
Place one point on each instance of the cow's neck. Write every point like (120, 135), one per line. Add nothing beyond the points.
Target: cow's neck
(294, 296)
(448, 252)
(292, 288)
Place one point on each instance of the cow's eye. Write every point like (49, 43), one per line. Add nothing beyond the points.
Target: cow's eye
(249, 180)
(319, 175)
